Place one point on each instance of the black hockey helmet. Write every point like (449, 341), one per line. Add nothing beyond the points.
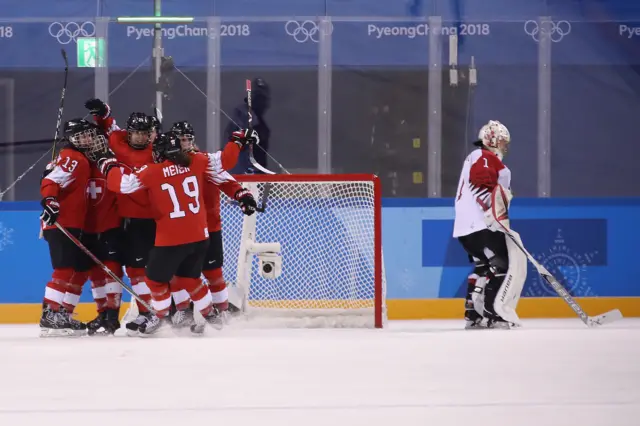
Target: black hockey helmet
(85, 136)
(183, 128)
(139, 128)
(155, 122)
(76, 125)
(187, 135)
(166, 147)
(139, 121)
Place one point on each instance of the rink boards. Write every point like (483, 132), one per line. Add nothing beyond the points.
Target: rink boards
(588, 244)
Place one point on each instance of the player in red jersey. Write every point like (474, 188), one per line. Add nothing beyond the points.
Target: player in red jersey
(212, 267)
(64, 201)
(103, 237)
(174, 185)
(133, 151)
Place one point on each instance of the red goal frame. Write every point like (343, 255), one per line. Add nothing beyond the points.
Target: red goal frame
(377, 205)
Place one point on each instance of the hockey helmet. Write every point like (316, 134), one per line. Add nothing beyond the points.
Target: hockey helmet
(85, 137)
(187, 135)
(495, 137)
(155, 122)
(139, 128)
(166, 147)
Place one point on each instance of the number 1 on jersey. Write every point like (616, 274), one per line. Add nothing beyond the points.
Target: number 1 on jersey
(190, 188)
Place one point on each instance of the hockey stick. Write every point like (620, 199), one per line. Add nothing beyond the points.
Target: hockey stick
(252, 159)
(601, 319)
(104, 267)
(61, 107)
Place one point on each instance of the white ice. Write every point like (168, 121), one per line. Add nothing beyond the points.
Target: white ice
(554, 372)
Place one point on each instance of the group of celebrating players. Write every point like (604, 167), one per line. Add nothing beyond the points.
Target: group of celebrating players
(147, 204)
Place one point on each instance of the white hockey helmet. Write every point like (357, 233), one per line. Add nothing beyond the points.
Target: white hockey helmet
(495, 137)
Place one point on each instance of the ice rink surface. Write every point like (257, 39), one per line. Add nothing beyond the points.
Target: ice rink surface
(551, 372)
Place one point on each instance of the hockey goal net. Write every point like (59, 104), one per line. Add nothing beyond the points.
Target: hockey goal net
(313, 258)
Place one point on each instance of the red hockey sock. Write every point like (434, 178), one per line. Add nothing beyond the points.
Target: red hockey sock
(74, 290)
(98, 282)
(161, 297)
(140, 286)
(113, 288)
(179, 294)
(218, 288)
(57, 287)
(199, 293)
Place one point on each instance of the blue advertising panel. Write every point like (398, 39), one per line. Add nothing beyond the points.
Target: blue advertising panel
(588, 245)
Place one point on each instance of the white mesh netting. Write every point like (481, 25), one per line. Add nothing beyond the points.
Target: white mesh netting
(327, 235)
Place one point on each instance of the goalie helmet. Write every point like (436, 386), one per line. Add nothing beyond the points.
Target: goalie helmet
(85, 137)
(495, 137)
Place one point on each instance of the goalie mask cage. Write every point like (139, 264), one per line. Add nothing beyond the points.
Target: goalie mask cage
(320, 240)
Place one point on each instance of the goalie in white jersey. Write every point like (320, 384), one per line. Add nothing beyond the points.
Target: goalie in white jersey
(481, 206)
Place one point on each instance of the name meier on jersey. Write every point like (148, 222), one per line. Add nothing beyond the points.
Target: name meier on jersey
(175, 170)
(474, 185)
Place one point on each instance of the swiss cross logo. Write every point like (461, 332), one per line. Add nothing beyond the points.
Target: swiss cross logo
(96, 189)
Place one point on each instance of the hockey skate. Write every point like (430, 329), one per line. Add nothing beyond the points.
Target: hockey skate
(183, 318)
(499, 323)
(473, 320)
(60, 324)
(151, 324)
(215, 318)
(106, 324)
(133, 326)
(476, 324)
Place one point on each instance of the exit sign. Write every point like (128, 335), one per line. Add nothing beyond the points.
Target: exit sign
(91, 52)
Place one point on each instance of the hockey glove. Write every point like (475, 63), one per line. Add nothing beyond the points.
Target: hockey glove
(97, 107)
(244, 137)
(247, 202)
(48, 169)
(106, 161)
(51, 210)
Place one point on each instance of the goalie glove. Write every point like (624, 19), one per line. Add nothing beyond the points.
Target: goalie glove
(51, 211)
(247, 202)
(244, 137)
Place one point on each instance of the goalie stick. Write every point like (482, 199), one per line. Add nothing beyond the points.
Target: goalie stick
(598, 320)
(104, 267)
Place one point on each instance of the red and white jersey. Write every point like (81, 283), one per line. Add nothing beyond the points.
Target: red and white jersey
(177, 195)
(228, 160)
(102, 211)
(68, 182)
(134, 205)
(481, 172)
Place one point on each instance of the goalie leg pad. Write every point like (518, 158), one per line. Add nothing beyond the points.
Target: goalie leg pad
(508, 294)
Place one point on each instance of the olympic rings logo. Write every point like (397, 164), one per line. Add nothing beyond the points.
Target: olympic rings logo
(554, 30)
(305, 31)
(70, 31)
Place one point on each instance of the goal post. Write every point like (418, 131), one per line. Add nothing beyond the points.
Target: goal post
(313, 258)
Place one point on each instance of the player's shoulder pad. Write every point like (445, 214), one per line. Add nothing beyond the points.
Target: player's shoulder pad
(74, 154)
(492, 159)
